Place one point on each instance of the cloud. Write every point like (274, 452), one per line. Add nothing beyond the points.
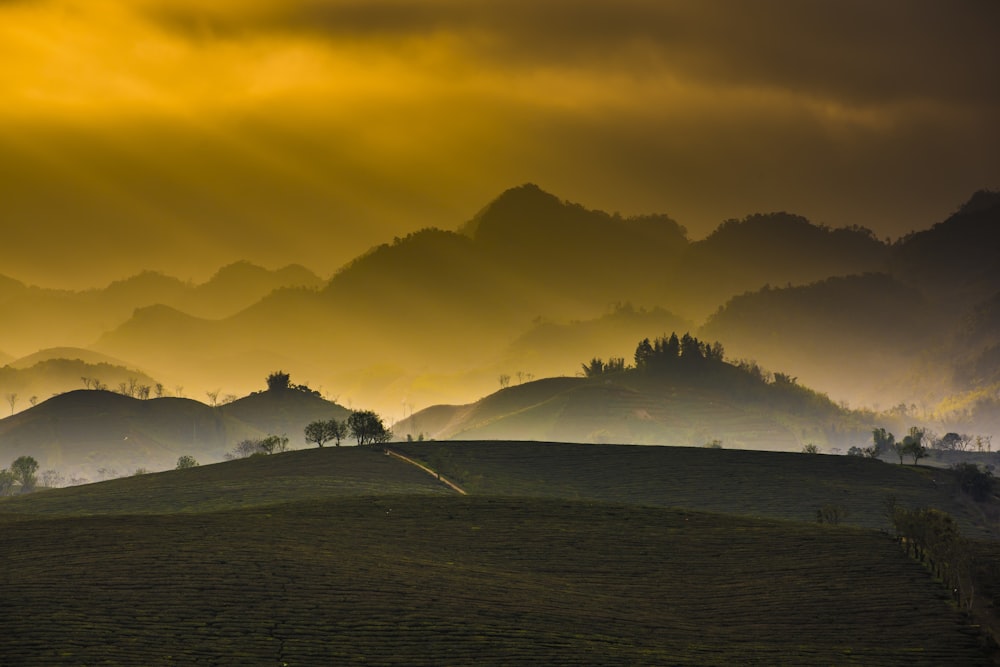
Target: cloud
(306, 130)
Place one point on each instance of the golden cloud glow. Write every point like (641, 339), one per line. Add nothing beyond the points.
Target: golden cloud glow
(259, 126)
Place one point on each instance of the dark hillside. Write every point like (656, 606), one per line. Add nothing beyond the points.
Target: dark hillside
(447, 580)
(778, 485)
(258, 481)
(957, 261)
(81, 432)
(284, 412)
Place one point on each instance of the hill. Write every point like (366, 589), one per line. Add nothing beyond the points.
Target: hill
(683, 405)
(96, 434)
(296, 558)
(52, 372)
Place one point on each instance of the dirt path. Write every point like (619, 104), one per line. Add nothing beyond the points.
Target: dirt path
(427, 470)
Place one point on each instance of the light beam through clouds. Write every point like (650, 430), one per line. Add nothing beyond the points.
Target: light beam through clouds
(174, 135)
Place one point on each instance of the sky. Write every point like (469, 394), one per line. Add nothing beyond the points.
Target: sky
(181, 135)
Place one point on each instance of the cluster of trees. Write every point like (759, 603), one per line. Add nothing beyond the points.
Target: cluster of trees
(365, 426)
(21, 475)
(660, 355)
(933, 538)
(884, 443)
(271, 444)
(279, 381)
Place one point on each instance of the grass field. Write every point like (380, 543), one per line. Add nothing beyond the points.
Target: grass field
(766, 484)
(336, 556)
(451, 580)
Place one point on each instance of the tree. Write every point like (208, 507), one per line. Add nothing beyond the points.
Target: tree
(321, 432)
(367, 428)
(6, 482)
(52, 479)
(278, 381)
(24, 469)
(273, 443)
(912, 445)
(504, 380)
(883, 442)
(810, 449)
(186, 461)
(12, 400)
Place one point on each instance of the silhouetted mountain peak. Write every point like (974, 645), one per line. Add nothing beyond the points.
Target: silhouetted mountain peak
(983, 200)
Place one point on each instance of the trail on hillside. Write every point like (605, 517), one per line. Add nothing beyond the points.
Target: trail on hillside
(432, 473)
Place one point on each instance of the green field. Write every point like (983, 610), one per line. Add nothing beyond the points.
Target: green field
(779, 485)
(337, 556)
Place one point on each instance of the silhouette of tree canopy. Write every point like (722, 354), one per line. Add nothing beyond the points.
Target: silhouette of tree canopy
(367, 428)
(278, 381)
(665, 354)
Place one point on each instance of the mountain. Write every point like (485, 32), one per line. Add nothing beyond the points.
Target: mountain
(858, 337)
(93, 433)
(527, 286)
(773, 249)
(37, 318)
(48, 376)
(956, 262)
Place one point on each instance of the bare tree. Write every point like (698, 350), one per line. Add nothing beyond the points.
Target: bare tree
(213, 396)
(33, 400)
(12, 401)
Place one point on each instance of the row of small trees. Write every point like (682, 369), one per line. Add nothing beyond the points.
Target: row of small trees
(365, 426)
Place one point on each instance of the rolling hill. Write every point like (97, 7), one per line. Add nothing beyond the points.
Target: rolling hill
(93, 434)
(718, 402)
(346, 555)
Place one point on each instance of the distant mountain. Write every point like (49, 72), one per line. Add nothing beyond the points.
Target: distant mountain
(65, 353)
(775, 249)
(82, 432)
(37, 318)
(956, 262)
(551, 348)
(526, 286)
(857, 337)
(39, 376)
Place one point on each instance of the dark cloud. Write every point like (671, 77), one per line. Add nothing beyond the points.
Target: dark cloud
(855, 50)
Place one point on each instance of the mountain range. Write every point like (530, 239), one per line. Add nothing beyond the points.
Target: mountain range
(533, 286)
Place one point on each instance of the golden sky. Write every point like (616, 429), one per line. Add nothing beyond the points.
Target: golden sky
(180, 135)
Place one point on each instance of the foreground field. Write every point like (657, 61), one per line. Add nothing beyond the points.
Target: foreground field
(562, 554)
(459, 580)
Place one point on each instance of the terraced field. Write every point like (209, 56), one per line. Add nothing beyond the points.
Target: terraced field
(339, 556)
(423, 580)
(766, 484)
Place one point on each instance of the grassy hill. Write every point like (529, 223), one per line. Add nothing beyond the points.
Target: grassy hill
(688, 408)
(331, 556)
(82, 432)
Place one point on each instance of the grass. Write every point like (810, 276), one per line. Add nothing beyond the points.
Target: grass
(430, 580)
(312, 474)
(563, 555)
(765, 484)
